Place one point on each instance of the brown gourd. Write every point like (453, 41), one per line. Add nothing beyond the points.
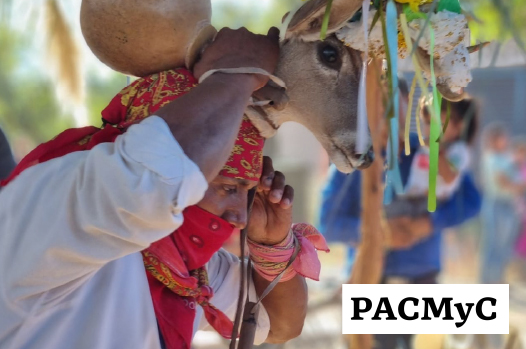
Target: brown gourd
(141, 37)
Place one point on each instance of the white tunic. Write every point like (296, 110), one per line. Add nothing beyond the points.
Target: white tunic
(71, 275)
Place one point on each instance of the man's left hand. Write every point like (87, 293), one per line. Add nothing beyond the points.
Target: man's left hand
(271, 217)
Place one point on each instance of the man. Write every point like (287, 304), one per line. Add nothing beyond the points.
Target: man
(73, 221)
(413, 244)
(7, 163)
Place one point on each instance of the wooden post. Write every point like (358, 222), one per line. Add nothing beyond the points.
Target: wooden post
(368, 266)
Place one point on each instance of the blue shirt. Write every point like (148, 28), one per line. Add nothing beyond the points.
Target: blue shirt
(341, 209)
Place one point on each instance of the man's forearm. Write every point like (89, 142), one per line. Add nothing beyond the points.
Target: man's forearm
(206, 121)
(286, 306)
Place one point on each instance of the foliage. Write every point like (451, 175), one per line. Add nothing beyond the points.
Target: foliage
(28, 107)
(235, 14)
(499, 20)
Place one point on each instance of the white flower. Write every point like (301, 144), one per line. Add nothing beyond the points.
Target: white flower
(449, 29)
(453, 69)
(352, 35)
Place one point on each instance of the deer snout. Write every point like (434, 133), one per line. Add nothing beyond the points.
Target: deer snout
(363, 161)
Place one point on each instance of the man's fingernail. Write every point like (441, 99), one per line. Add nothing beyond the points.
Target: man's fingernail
(277, 194)
(286, 202)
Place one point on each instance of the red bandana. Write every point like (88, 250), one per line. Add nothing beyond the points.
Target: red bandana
(178, 281)
(246, 159)
(174, 264)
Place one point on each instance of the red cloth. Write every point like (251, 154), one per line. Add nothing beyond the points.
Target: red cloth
(246, 159)
(176, 275)
(178, 279)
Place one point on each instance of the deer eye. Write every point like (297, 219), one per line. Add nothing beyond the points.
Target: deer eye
(330, 56)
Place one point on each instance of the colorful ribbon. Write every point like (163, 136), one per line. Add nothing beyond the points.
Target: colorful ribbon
(361, 141)
(393, 178)
(270, 261)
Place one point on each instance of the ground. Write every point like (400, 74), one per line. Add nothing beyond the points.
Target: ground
(323, 325)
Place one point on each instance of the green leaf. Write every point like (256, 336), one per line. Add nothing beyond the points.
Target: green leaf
(410, 14)
(449, 5)
(375, 19)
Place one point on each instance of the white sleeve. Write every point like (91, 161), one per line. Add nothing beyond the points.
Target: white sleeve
(223, 275)
(65, 218)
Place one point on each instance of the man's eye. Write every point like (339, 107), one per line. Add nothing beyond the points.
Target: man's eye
(231, 189)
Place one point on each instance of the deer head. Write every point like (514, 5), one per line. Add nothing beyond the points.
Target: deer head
(322, 79)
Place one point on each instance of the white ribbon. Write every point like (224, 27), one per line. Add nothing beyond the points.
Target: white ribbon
(362, 131)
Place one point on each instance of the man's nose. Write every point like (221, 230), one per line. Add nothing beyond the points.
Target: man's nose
(237, 217)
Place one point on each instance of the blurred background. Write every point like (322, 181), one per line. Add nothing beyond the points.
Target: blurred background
(40, 97)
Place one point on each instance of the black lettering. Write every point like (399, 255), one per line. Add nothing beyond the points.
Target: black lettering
(429, 303)
(358, 310)
(388, 310)
(401, 308)
(463, 315)
(478, 309)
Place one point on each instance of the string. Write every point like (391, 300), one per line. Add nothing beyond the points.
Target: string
(418, 73)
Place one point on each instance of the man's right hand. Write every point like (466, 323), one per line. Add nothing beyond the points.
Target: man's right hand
(240, 48)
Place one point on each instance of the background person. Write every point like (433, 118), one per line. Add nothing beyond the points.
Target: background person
(500, 219)
(413, 243)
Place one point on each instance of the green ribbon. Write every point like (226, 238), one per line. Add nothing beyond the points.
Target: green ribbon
(325, 23)
(434, 145)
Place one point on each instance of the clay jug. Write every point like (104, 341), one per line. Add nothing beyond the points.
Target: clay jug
(141, 37)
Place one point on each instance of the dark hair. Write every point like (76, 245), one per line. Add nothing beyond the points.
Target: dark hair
(403, 87)
(464, 111)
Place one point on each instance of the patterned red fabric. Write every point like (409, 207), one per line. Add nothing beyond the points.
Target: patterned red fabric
(246, 159)
(178, 279)
(174, 264)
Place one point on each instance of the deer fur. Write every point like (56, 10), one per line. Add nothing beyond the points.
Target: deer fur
(322, 97)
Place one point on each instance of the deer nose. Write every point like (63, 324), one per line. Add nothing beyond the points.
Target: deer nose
(365, 160)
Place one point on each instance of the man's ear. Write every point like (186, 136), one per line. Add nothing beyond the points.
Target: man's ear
(306, 22)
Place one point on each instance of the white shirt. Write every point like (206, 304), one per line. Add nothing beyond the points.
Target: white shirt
(71, 232)
(458, 156)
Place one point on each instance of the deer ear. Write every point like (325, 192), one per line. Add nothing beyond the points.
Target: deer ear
(306, 22)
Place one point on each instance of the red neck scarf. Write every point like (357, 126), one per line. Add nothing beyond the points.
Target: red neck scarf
(178, 279)
(175, 264)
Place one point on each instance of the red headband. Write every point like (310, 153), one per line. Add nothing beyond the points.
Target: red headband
(246, 159)
(145, 96)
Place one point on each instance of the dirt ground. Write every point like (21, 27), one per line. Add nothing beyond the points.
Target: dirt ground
(460, 265)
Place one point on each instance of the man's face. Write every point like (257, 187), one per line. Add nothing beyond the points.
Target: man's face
(227, 198)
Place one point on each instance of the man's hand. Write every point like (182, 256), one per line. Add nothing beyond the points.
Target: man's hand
(271, 217)
(269, 223)
(405, 232)
(241, 48)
